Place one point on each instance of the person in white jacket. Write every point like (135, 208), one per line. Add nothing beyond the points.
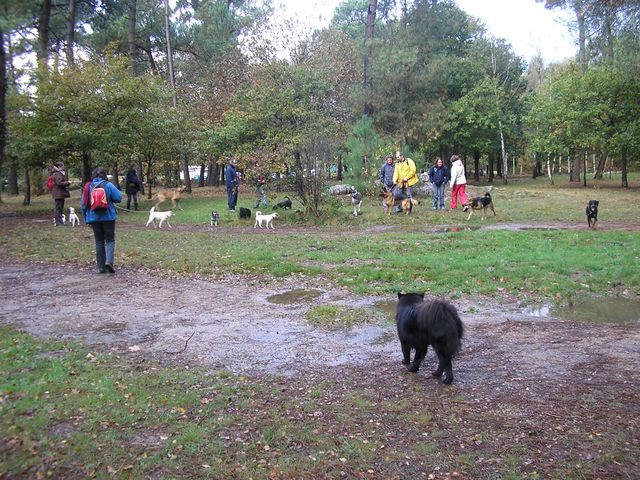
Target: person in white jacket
(458, 183)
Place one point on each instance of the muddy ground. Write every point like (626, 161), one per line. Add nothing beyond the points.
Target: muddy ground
(546, 375)
(237, 324)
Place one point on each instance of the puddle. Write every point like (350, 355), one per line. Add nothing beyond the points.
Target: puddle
(292, 297)
(466, 228)
(388, 307)
(537, 310)
(620, 311)
(602, 310)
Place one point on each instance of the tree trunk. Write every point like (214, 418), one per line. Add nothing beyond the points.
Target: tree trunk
(201, 181)
(368, 52)
(85, 167)
(27, 188)
(490, 168)
(608, 23)
(3, 102)
(623, 160)
(71, 32)
(167, 33)
(340, 169)
(43, 31)
(116, 175)
(131, 38)
(575, 168)
(152, 63)
(503, 150)
(580, 8)
(584, 169)
(602, 162)
(12, 177)
(549, 172)
(219, 174)
(476, 165)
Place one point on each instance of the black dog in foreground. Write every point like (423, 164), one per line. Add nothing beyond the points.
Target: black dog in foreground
(245, 212)
(283, 204)
(434, 323)
(592, 213)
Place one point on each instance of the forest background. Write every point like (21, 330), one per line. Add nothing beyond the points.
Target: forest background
(197, 82)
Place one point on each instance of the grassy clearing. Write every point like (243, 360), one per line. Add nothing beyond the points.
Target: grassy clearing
(530, 264)
(521, 200)
(66, 412)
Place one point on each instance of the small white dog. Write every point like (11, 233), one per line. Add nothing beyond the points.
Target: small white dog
(267, 219)
(160, 216)
(356, 201)
(73, 218)
(64, 220)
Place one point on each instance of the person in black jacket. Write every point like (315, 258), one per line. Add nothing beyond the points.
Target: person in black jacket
(132, 187)
(60, 191)
(439, 176)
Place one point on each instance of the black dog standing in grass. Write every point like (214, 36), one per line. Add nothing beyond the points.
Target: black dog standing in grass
(245, 212)
(592, 213)
(434, 323)
(286, 203)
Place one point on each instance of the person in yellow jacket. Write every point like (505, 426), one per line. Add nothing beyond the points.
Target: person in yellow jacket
(405, 175)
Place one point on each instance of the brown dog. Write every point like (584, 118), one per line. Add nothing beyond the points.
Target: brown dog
(480, 203)
(175, 195)
(406, 204)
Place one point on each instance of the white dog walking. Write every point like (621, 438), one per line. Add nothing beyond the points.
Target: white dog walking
(73, 218)
(267, 219)
(160, 216)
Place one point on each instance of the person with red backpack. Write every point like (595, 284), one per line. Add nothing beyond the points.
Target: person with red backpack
(97, 205)
(59, 190)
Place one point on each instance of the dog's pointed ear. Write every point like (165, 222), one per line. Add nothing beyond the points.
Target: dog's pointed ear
(400, 294)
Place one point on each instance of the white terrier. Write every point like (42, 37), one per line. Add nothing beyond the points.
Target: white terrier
(267, 219)
(160, 216)
(73, 218)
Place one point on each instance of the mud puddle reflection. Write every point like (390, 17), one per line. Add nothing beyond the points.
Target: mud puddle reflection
(621, 311)
(292, 297)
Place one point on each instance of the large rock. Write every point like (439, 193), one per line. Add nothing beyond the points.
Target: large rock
(342, 190)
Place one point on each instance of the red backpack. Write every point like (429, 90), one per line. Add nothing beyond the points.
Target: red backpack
(50, 183)
(98, 197)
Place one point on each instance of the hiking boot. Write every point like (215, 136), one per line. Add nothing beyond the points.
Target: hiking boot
(109, 268)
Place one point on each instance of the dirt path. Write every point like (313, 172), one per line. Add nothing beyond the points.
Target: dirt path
(235, 326)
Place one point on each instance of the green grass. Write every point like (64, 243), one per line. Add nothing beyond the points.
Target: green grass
(531, 264)
(67, 412)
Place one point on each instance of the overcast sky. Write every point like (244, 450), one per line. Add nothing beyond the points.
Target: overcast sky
(525, 24)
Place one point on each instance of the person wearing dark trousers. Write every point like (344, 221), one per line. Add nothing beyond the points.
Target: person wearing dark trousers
(102, 220)
(232, 182)
(59, 191)
(386, 176)
(439, 177)
(132, 187)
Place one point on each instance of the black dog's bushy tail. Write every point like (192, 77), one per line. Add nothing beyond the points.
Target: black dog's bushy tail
(441, 319)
